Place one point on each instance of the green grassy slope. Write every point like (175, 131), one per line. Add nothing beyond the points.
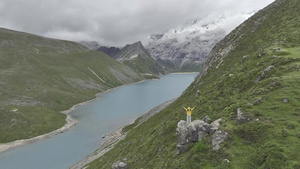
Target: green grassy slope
(227, 82)
(39, 77)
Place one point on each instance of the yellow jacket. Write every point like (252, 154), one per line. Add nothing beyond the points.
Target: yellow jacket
(189, 110)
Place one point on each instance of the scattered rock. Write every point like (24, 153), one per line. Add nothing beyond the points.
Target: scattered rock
(276, 49)
(285, 100)
(14, 110)
(244, 58)
(120, 165)
(197, 93)
(226, 160)
(263, 74)
(261, 54)
(257, 101)
(240, 117)
(268, 68)
(218, 138)
(260, 77)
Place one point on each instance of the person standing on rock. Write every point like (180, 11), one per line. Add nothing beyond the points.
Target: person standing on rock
(188, 114)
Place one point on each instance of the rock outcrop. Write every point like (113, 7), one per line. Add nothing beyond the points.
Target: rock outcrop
(196, 131)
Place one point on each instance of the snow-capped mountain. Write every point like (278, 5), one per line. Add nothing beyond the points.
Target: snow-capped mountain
(187, 46)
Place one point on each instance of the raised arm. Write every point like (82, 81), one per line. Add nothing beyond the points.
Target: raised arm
(184, 108)
(193, 108)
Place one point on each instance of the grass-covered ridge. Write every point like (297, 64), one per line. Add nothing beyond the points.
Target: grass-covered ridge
(227, 82)
(39, 77)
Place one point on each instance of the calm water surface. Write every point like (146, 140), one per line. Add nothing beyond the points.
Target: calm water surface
(108, 113)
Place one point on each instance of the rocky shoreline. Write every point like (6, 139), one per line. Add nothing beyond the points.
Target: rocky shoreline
(7, 146)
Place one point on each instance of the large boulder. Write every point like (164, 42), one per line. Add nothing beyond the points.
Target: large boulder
(191, 132)
(188, 132)
(196, 131)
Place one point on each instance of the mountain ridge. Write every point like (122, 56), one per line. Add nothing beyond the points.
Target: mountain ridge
(139, 59)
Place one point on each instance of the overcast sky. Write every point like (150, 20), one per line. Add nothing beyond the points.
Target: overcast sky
(111, 22)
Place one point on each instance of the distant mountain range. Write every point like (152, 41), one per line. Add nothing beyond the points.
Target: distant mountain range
(184, 48)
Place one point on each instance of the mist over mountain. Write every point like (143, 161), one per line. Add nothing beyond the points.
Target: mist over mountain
(187, 46)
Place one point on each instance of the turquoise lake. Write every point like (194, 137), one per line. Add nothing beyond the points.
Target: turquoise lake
(106, 114)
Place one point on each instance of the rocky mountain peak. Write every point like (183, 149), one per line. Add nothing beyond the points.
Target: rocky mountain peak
(188, 45)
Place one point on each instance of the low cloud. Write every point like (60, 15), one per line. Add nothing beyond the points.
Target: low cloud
(111, 22)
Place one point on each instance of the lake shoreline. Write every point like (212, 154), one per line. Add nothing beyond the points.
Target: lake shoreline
(113, 138)
(70, 122)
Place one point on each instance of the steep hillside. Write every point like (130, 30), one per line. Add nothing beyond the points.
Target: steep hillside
(41, 77)
(187, 46)
(255, 68)
(139, 59)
